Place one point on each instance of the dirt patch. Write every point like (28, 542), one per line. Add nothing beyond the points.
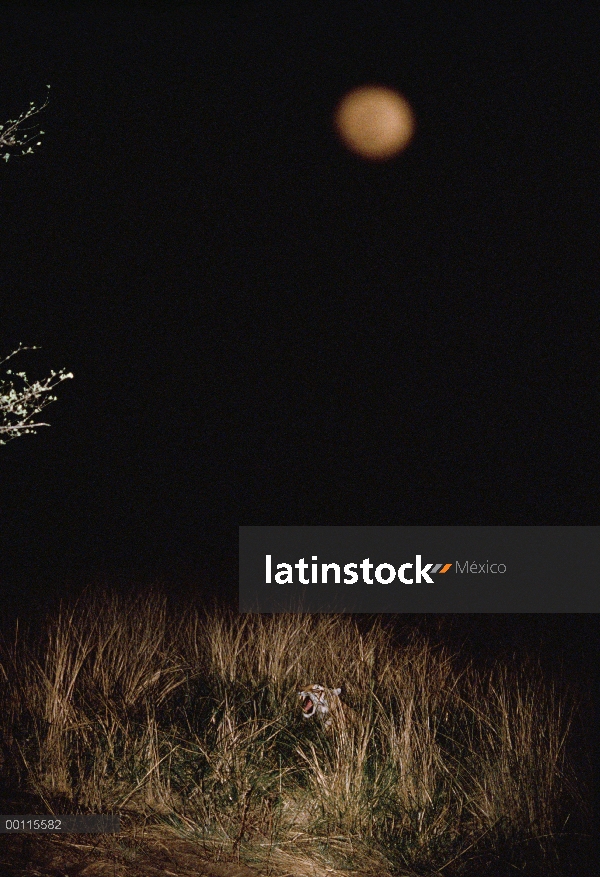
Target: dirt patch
(159, 853)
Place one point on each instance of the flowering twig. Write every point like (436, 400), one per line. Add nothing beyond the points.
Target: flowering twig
(18, 404)
(9, 131)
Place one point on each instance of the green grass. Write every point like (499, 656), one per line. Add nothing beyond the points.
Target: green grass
(193, 719)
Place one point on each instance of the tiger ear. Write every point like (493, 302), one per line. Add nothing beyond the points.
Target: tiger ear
(337, 691)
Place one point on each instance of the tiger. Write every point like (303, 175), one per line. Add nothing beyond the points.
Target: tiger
(326, 704)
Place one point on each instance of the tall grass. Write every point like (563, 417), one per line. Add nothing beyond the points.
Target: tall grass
(123, 707)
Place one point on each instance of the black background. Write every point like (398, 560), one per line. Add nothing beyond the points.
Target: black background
(265, 329)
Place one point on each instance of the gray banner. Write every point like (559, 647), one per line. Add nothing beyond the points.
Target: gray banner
(419, 569)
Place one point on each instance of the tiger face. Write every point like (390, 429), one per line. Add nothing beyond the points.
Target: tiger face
(325, 703)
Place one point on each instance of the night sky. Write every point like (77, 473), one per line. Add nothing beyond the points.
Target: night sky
(266, 329)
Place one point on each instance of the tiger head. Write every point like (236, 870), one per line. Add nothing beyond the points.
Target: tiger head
(320, 701)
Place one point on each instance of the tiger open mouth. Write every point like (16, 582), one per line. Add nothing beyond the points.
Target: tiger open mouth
(308, 706)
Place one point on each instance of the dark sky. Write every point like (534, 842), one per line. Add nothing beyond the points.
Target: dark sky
(264, 328)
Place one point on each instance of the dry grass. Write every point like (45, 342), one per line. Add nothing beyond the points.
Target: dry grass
(193, 722)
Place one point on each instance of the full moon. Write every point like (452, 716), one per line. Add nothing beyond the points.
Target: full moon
(375, 122)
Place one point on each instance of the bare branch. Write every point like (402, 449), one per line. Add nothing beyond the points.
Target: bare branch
(11, 131)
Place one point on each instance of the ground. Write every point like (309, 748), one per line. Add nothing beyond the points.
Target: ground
(158, 852)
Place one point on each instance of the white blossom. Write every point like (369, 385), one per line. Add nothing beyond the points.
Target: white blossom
(26, 404)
